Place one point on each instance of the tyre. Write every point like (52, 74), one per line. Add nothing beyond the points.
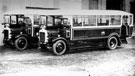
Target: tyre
(21, 43)
(59, 47)
(112, 43)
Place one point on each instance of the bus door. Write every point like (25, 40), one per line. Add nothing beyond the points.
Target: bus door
(35, 25)
(124, 29)
(28, 25)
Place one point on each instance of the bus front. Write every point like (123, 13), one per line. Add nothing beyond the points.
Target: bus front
(54, 30)
(13, 25)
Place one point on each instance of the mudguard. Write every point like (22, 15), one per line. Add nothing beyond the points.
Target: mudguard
(117, 36)
(24, 35)
(60, 38)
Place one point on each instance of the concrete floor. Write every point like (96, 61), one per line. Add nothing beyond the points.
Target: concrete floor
(89, 62)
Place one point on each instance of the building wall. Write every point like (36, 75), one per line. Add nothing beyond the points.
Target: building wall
(39, 3)
(1, 17)
(70, 4)
(126, 6)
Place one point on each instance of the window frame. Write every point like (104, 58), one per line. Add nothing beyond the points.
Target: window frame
(11, 20)
(76, 24)
(7, 20)
(102, 21)
(50, 23)
(115, 16)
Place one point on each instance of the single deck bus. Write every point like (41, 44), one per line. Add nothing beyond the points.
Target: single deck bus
(84, 28)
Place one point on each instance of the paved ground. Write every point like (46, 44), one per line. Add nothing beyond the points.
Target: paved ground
(89, 62)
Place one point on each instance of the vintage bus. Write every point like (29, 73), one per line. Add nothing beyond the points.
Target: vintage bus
(20, 28)
(71, 29)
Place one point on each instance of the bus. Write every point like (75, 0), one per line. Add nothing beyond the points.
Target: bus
(20, 29)
(84, 28)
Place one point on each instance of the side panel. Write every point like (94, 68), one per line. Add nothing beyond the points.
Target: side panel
(130, 31)
(94, 33)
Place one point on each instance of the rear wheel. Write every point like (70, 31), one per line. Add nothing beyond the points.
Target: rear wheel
(59, 47)
(112, 43)
(21, 43)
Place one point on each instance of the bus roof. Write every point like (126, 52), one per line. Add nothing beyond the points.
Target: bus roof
(69, 12)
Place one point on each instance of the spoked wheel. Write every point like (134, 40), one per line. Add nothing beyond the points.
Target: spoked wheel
(112, 43)
(21, 43)
(59, 47)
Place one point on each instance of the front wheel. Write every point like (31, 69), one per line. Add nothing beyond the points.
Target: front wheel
(112, 43)
(21, 43)
(59, 47)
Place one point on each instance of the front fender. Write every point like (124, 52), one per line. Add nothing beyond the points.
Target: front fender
(24, 35)
(60, 38)
(114, 34)
(117, 36)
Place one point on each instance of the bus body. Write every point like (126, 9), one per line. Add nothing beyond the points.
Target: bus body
(84, 28)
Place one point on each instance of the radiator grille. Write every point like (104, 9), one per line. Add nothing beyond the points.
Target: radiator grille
(5, 33)
(42, 37)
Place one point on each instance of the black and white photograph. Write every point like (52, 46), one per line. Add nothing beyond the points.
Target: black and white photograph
(67, 37)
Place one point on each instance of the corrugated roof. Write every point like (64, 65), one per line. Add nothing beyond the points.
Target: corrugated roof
(69, 12)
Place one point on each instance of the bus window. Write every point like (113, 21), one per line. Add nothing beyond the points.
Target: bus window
(125, 20)
(49, 21)
(20, 20)
(77, 21)
(65, 21)
(115, 20)
(6, 19)
(57, 21)
(89, 20)
(36, 19)
(27, 20)
(92, 20)
(13, 19)
(103, 20)
(42, 20)
(85, 20)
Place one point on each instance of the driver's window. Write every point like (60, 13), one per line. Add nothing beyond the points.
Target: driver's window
(36, 19)
(57, 21)
(27, 20)
(42, 20)
(20, 20)
(13, 19)
(65, 21)
(50, 21)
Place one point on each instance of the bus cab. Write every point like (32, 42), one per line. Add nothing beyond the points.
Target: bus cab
(20, 28)
(84, 28)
